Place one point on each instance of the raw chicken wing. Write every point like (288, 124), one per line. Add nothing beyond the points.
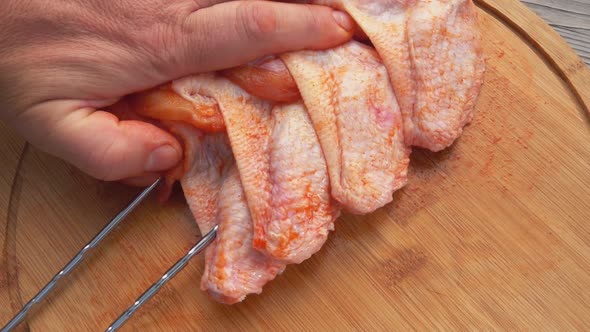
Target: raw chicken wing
(236, 269)
(281, 167)
(432, 51)
(357, 120)
(233, 268)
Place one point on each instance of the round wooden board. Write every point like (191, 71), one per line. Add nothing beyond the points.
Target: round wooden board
(493, 233)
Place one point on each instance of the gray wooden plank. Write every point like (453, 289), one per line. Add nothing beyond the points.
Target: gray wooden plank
(570, 18)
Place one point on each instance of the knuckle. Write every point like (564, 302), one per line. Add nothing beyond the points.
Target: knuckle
(161, 45)
(257, 20)
(101, 164)
(163, 41)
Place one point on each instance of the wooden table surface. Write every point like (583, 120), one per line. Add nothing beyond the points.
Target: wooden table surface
(491, 234)
(571, 18)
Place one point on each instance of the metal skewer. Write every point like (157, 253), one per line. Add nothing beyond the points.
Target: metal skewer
(150, 292)
(82, 254)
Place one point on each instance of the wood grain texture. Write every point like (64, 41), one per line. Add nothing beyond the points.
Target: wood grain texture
(491, 234)
(11, 150)
(571, 18)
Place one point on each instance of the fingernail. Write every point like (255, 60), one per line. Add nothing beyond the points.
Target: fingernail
(162, 158)
(344, 20)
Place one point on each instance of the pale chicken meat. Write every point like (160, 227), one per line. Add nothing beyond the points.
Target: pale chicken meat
(235, 269)
(357, 119)
(206, 164)
(207, 161)
(249, 127)
(211, 185)
(433, 53)
(302, 209)
(448, 62)
(385, 22)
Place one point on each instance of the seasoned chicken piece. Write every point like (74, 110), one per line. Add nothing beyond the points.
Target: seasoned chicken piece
(236, 269)
(433, 54)
(281, 167)
(449, 65)
(207, 161)
(357, 120)
(302, 209)
(233, 268)
(385, 23)
(249, 127)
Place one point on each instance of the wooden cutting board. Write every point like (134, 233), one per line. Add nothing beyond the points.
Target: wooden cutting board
(493, 233)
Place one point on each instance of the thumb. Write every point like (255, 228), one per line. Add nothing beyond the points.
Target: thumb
(98, 143)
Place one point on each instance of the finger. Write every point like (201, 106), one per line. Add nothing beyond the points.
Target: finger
(98, 143)
(240, 31)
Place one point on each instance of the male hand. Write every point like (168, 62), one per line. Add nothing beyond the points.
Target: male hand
(61, 61)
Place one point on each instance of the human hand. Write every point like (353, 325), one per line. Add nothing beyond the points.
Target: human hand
(61, 62)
